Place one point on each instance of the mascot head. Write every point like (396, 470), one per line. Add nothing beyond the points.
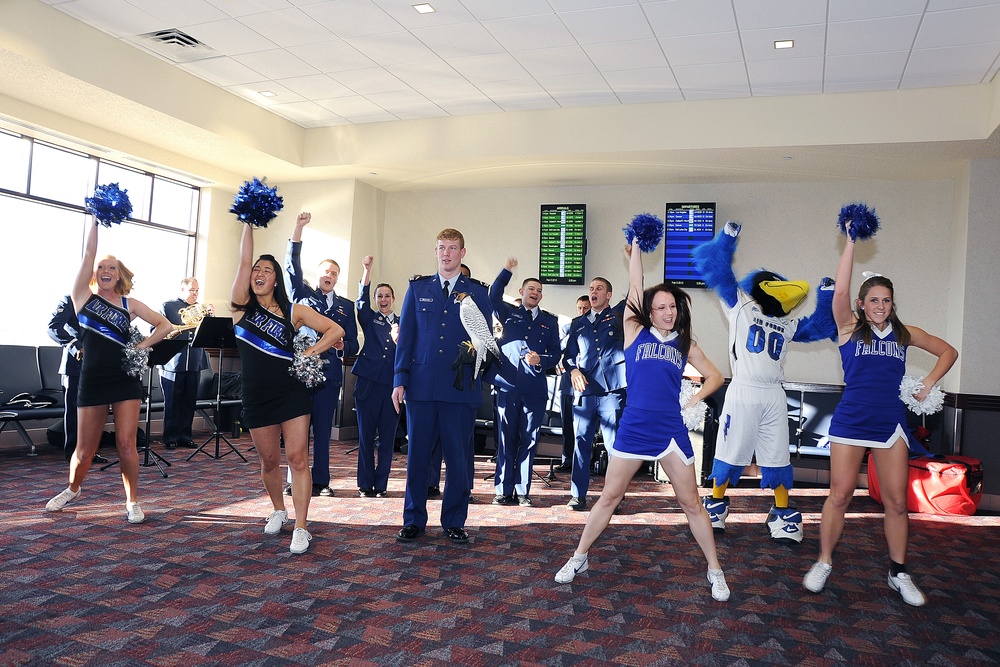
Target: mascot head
(776, 296)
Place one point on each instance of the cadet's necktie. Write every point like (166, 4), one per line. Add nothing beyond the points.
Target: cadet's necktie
(444, 290)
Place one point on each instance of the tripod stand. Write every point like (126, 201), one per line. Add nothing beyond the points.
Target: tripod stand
(159, 354)
(216, 333)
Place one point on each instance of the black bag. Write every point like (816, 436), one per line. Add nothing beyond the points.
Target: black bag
(599, 461)
(232, 385)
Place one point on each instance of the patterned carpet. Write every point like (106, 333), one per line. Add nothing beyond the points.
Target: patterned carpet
(199, 584)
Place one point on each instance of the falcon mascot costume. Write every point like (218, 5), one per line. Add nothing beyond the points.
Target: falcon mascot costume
(754, 418)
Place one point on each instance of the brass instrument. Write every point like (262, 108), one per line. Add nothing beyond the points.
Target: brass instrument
(191, 317)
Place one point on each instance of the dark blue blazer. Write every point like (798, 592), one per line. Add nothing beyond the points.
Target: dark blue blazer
(430, 332)
(64, 329)
(521, 334)
(188, 359)
(378, 355)
(341, 312)
(597, 350)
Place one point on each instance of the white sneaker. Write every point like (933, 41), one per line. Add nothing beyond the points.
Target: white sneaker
(61, 499)
(300, 541)
(274, 523)
(785, 524)
(135, 514)
(816, 577)
(911, 595)
(573, 567)
(720, 590)
(718, 510)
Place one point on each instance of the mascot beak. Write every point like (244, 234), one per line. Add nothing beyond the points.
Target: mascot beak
(788, 293)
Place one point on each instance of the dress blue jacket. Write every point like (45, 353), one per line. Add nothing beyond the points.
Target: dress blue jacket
(378, 354)
(521, 334)
(597, 350)
(430, 332)
(342, 311)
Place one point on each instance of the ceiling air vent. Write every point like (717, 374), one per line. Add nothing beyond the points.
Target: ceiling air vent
(174, 45)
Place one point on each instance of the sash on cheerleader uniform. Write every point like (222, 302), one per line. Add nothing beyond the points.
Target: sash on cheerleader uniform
(267, 333)
(106, 319)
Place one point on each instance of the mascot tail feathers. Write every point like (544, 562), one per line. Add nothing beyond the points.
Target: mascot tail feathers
(725, 473)
(820, 324)
(714, 260)
(772, 478)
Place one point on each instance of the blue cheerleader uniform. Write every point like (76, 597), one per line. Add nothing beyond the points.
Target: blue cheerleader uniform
(870, 413)
(651, 425)
(105, 333)
(271, 395)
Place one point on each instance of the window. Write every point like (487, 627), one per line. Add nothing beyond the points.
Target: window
(43, 222)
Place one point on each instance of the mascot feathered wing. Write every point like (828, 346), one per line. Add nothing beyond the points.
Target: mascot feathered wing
(752, 424)
(480, 333)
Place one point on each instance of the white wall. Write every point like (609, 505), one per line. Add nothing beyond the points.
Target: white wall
(789, 228)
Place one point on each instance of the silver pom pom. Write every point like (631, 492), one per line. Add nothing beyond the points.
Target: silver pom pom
(909, 386)
(136, 360)
(695, 415)
(307, 370)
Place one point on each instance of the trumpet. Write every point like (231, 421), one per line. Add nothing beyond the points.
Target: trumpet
(191, 317)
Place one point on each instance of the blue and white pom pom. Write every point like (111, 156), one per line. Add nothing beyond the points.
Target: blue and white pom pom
(864, 222)
(307, 370)
(136, 360)
(911, 385)
(110, 204)
(694, 416)
(256, 204)
(647, 228)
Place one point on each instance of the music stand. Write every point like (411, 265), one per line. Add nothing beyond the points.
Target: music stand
(159, 354)
(216, 333)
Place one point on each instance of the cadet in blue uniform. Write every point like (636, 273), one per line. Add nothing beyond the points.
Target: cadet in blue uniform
(276, 405)
(377, 418)
(873, 344)
(179, 377)
(531, 343)
(324, 301)
(658, 345)
(566, 392)
(441, 397)
(595, 359)
(105, 316)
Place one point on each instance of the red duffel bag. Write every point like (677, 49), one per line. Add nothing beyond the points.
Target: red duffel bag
(942, 484)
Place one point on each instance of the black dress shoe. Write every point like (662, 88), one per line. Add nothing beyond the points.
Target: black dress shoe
(564, 467)
(456, 535)
(409, 533)
(170, 445)
(366, 493)
(99, 459)
(524, 501)
(433, 491)
(187, 444)
(322, 490)
(504, 500)
(577, 504)
(382, 494)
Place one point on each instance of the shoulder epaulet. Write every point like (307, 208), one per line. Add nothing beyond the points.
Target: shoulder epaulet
(545, 312)
(417, 276)
(479, 282)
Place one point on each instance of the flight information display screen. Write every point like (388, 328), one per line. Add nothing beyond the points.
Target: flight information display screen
(563, 244)
(688, 225)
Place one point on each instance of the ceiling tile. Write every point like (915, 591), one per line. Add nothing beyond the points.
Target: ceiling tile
(674, 18)
(722, 47)
(446, 12)
(810, 41)
(335, 55)
(611, 24)
(352, 18)
(859, 86)
(859, 10)
(171, 12)
(968, 64)
(229, 37)
(497, 67)
(778, 91)
(456, 41)
(657, 80)
(251, 91)
(791, 72)
(117, 17)
(873, 67)
(222, 71)
(287, 27)
(304, 112)
(351, 106)
(755, 15)
(572, 5)
(381, 117)
(275, 64)
(716, 93)
(569, 100)
(430, 74)
(460, 92)
(368, 81)
(246, 7)
(714, 76)
(316, 86)
(530, 32)
(392, 48)
(554, 62)
(580, 85)
(961, 26)
(640, 54)
(484, 10)
(872, 36)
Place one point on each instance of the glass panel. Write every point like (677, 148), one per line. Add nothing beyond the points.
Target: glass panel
(61, 176)
(158, 259)
(174, 204)
(43, 245)
(137, 183)
(14, 153)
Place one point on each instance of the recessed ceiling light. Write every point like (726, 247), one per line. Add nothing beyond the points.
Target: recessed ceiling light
(424, 8)
(266, 93)
(784, 43)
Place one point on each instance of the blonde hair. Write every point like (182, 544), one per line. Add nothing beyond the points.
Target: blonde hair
(124, 285)
(449, 234)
